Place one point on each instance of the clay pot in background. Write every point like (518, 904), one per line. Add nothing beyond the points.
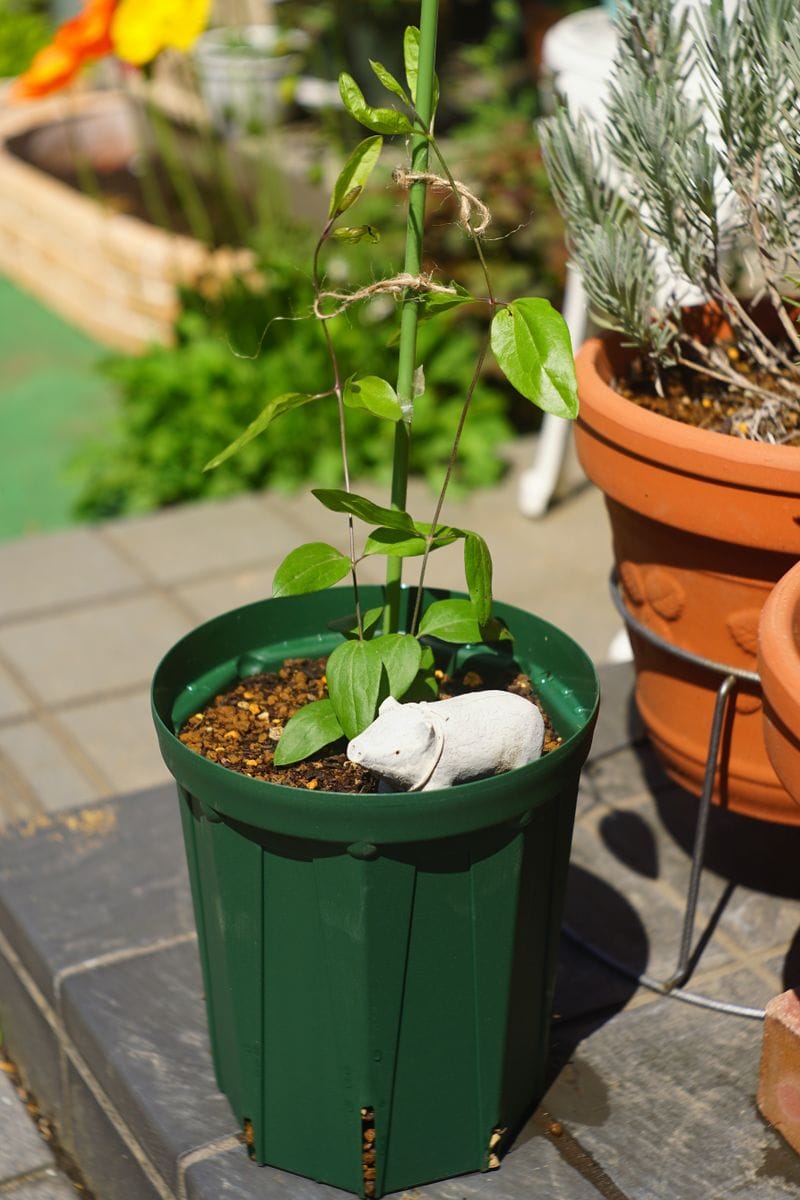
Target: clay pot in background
(779, 668)
(704, 525)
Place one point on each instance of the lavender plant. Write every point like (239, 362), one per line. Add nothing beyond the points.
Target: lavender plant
(690, 188)
(531, 345)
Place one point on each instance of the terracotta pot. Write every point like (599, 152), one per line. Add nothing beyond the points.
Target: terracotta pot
(779, 668)
(704, 525)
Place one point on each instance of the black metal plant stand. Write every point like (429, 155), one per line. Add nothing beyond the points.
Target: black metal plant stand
(729, 680)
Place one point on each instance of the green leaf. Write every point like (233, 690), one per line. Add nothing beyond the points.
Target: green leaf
(349, 625)
(401, 544)
(347, 502)
(313, 726)
(354, 175)
(426, 685)
(310, 568)
(531, 343)
(271, 410)
(356, 233)
(438, 302)
(376, 395)
(381, 120)
(354, 678)
(411, 59)
(452, 621)
(478, 572)
(401, 655)
(388, 80)
(457, 621)
(442, 531)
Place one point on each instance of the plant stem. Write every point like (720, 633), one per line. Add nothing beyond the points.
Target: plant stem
(337, 387)
(407, 353)
(443, 492)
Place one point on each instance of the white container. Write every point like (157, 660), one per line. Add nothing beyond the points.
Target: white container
(243, 72)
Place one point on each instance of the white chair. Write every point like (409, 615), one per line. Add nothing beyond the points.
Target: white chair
(577, 54)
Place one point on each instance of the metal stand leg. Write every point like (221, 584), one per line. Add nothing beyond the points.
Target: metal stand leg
(682, 969)
(730, 677)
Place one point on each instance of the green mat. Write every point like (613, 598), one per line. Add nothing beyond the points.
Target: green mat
(51, 397)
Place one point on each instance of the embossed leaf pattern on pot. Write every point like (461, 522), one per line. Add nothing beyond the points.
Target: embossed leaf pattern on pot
(665, 594)
(747, 703)
(743, 628)
(632, 582)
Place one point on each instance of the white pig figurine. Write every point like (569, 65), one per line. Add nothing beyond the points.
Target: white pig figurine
(418, 747)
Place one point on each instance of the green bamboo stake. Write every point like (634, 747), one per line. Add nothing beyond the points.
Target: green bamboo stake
(407, 352)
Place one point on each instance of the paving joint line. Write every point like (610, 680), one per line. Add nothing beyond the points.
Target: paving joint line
(20, 783)
(56, 1025)
(113, 957)
(10, 1185)
(576, 1156)
(47, 716)
(203, 1153)
(66, 608)
(168, 590)
(725, 940)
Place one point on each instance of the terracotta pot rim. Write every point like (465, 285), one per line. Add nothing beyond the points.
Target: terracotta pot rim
(779, 650)
(684, 448)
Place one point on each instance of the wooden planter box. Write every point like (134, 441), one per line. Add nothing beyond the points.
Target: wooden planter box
(113, 275)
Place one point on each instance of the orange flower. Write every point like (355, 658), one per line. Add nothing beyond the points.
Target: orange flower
(52, 68)
(80, 40)
(89, 33)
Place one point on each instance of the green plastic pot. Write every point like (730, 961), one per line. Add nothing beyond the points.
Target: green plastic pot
(380, 962)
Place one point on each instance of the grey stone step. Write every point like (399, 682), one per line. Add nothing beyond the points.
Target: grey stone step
(101, 1004)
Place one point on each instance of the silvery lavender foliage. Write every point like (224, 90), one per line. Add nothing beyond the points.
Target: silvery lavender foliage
(690, 190)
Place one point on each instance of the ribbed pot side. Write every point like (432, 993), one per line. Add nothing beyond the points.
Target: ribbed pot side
(703, 525)
(779, 668)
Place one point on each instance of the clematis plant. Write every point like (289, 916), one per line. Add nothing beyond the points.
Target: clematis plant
(530, 343)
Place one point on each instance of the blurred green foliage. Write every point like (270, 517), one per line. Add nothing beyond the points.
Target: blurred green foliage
(181, 405)
(24, 29)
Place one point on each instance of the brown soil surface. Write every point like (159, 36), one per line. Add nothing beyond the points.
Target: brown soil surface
(697, 400)
(241, 727)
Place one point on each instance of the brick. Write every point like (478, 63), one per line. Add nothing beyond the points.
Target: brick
(112, 274)
(49, 570)
(779, 1076)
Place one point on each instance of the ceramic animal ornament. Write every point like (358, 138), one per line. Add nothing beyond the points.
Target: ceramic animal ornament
(419, 747)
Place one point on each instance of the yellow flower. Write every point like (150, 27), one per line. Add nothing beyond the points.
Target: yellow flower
(142, 28)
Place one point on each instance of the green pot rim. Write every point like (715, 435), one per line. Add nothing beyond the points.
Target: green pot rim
(390, 817)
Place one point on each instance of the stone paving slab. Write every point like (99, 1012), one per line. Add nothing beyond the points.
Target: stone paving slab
(57, 570)
(140, 1027)
(44, 771)
(46, 1185)
(123, 723)
(663, 1098)
(95, 649)
(100, 997)
(211, 537)
(22, 1151)
(88, 885)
